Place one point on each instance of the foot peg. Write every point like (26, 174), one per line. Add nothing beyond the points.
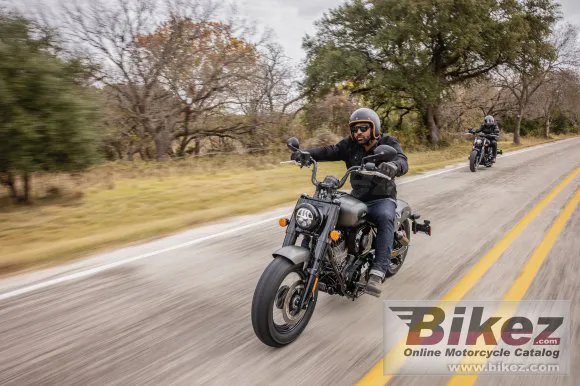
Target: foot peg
(500, 151)
(424, 228)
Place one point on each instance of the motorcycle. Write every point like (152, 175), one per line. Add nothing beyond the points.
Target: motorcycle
(481, 152)
(336, 250)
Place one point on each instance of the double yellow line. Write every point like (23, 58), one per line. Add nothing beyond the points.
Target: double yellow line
(376, 375)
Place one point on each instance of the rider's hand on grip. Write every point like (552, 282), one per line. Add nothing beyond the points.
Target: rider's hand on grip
(295, 156)
(389, 169)
(304, 159)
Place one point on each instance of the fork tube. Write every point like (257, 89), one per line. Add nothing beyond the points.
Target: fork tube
(319, 251)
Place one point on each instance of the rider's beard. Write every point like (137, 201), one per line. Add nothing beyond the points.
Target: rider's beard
(363, 140)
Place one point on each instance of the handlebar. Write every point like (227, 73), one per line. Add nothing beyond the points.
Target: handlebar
(376, 174)
(481, 134)
(352, 169)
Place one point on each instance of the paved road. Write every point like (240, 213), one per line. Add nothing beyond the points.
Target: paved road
(176, 310)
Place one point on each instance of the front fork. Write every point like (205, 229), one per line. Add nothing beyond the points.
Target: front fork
(311, 285)
(322, 243)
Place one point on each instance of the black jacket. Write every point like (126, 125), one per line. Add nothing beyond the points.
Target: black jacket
(364, 188)
(488, 129)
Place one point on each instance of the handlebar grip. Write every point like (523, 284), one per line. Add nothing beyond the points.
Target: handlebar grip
(375, 174)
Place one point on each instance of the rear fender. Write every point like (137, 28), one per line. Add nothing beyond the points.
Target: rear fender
(403, 212)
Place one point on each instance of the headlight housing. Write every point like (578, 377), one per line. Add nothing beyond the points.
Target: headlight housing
(478, 141)
(307, 216)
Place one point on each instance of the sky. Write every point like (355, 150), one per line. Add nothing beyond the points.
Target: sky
(291, 20)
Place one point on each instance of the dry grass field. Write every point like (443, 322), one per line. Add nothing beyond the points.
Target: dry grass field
(118, 203)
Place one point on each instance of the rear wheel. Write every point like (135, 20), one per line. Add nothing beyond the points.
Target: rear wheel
(473, 161)
(275, 316)
(397, 261)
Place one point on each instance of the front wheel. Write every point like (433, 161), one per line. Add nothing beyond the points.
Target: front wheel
(473, 161)
(275, 315)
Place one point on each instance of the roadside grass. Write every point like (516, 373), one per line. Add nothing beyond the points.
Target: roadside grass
(116, 204)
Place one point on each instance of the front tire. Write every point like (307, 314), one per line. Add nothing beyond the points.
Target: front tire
(473, 161)
(271, 294)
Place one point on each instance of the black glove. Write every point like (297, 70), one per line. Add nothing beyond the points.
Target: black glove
(295, 156)
(389, 168)
(302, 159)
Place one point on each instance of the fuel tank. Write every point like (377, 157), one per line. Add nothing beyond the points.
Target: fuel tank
(352, 211)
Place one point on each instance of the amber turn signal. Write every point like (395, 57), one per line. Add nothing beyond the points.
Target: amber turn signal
(283, 222)
(334, 235)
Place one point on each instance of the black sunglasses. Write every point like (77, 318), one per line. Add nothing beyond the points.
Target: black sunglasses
(362, 128)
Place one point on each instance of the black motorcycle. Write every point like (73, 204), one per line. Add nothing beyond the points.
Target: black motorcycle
(482, 152)
(335, 252)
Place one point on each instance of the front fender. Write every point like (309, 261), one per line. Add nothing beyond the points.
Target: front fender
(295, 253)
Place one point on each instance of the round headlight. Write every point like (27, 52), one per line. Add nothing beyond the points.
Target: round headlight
(478, 141)
(307, 216)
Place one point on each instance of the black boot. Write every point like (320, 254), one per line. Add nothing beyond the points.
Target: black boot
(375, 282)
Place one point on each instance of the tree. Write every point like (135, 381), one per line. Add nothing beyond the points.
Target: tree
(205, 74)
(467, 104)
(330, 112)
(46, 116)
(111, 34)
(548, 52)
(270, 88)
(123, 136)
(269, 98)
(555, 97)
(411, 52)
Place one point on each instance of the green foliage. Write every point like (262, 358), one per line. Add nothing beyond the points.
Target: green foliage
(528, 126)
(408, 53)
(47, 120)
(537, 17)
(560, 124)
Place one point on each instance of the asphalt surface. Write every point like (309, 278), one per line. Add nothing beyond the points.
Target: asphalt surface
(166, 312)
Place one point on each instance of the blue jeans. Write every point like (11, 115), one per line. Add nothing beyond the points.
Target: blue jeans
(382, 213)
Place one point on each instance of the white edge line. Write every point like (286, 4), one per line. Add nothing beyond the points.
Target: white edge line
(105, 267)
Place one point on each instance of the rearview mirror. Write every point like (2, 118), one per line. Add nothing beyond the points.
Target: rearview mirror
(385, 153)
(293, 143)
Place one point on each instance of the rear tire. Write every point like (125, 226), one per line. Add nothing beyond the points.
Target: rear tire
(473, 161)
(265, 296)
(392, 269)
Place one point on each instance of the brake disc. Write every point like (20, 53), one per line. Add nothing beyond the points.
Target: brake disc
(291, 302)
(281, 296)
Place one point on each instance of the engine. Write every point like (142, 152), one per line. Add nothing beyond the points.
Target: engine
(339, 253)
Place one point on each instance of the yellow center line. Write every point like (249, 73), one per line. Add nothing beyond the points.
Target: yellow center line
(394, 357)
(528, 273)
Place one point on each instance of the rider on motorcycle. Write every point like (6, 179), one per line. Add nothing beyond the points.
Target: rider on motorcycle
(489, 127)
(378, 193)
